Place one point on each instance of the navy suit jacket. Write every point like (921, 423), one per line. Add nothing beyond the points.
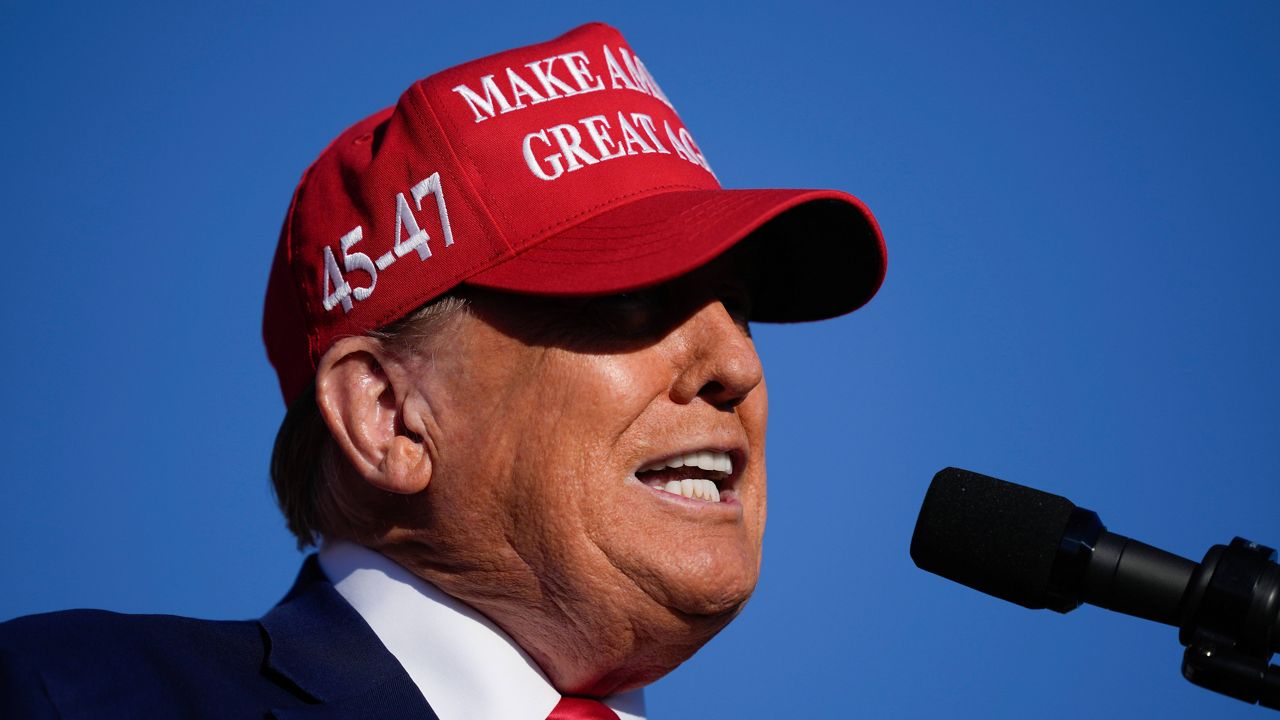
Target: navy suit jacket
(311, 658)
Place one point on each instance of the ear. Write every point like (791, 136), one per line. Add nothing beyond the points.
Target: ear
(361, 390)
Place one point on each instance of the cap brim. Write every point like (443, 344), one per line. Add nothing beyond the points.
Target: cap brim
(822, 251)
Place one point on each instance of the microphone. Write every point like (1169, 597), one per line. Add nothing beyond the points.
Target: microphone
(1039, 550)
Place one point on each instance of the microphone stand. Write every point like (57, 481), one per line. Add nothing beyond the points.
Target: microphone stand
(1040, 550)
(1231, 623)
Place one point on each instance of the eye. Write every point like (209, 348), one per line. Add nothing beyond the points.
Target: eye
(627, 314)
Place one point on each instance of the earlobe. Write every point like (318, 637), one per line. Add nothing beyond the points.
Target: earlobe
(362, 403)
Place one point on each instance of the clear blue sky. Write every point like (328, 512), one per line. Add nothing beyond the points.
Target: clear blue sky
(1080, 201)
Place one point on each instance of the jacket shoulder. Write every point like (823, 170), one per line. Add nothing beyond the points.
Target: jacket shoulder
(76, 662)
(86, 626)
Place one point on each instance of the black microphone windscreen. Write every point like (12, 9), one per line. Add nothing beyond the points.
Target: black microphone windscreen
(994, 536)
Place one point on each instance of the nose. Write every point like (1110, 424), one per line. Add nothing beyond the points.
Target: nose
(720, 365)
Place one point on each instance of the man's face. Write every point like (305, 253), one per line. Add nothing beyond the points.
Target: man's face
(554, 426)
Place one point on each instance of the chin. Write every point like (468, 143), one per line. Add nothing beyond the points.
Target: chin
(665, 648)
(668, 615)
(716, 603)
(713, 584)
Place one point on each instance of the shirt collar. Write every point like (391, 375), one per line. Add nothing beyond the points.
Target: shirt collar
(466, 667)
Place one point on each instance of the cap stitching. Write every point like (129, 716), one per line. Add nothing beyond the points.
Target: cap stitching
(463, 155)
(474, 197)
(312, 330)
(727, 204)
(596, 207)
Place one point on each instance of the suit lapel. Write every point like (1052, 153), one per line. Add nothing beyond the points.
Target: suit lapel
(320, 645)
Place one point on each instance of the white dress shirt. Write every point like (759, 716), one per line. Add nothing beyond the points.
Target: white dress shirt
(464, 665)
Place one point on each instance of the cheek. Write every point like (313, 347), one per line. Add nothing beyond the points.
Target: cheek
(699, 568)
(677, 566)
(589, 410)
(571, 455)
(630, 383)
(755, 419)
(586, 406)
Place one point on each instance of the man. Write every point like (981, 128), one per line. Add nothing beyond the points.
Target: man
(510, 319)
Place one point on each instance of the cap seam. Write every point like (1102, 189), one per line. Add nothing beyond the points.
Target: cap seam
(607, 203)
(467, 172)
(548, 261)
(736, 202)
(295, 270)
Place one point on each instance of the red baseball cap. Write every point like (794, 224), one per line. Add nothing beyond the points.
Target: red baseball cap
(554, 169)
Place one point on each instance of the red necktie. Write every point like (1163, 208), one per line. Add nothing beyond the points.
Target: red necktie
(574, 708)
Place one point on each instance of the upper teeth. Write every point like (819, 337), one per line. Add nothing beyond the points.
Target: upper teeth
(703, 460)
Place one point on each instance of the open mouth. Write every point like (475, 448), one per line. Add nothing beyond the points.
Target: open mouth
(703, 475)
